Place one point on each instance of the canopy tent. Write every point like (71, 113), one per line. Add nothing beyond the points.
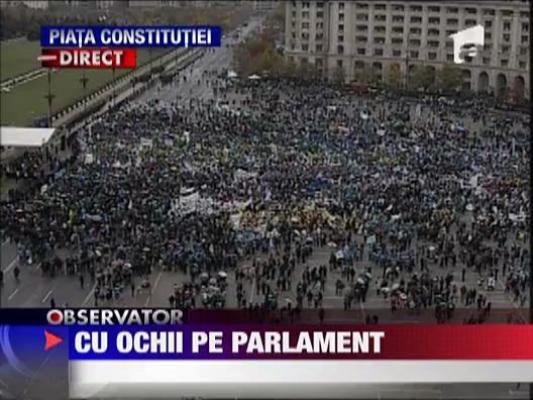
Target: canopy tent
(25, 137)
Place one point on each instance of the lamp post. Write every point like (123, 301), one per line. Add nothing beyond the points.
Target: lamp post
(49, 97)
(84, 81)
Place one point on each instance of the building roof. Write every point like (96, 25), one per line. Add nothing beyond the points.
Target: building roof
(24, 137)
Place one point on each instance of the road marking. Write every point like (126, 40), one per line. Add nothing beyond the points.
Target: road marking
(47, 296)
(152, 289)
(13, 294)
(252, 291)
(157, 281)
(11, 264)
(88, 296)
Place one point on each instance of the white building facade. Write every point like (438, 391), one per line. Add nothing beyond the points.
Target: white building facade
(373, 35)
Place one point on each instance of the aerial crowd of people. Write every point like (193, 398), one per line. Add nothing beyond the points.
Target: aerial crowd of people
(287, 188)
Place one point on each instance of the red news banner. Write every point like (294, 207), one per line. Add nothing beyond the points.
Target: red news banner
(97, 58)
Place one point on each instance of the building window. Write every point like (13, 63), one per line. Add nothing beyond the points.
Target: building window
(414, 42)
(340, 38)
(305, 25)
(413, 54)
(507, 13)
(488, 11)
(504, 63)
(341, 7)
(319, 25)
(305, 14)
(340, 28)
(432, 55)
(397, 18)
(522, 64)
(433, 43)
(397, 7)
(471, 11)
(525, 27)
(433, 32)
(305, 36)
(523, 50)
(318, 48)
(379, 40)
(319, 36)
(434, 20)
(380, 17)
(378, 52)
(379, 28)
(341, 17)
(524, 14)
(319, 5)
(487, 24)
(434, 9)
(361, 28)
(507, 26)
(305, 4)
(361, 51)
(450, 32)
(305, 47)
(415, 31)
(452, 21)
(362, 17)
(397, 40)
(361, 39)
(524, 39)
(506, 49)
(416, 20)
(449, 57)
(380, 6)
(470, 22)
(293, 14)
(486, 60)
(396, 53)
(488, 35)
(340, 49)
(397, 29)
(416, 8)
(506, 37)
(452, 10)
(320, 14)
(339, 63)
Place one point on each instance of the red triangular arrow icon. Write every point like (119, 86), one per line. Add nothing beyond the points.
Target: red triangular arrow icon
(51, 340)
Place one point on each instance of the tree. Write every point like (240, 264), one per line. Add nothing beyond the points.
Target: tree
(394, 75)
(364, 75)
(449, 77)
(339, 77)
(422, 77)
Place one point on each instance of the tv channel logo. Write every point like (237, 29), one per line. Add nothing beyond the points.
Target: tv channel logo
(467, 43)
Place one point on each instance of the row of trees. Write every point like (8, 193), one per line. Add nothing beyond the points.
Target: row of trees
(424, 77)
(258, 55)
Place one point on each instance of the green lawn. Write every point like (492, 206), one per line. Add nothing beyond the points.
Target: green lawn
(17, 57)
(27, 102)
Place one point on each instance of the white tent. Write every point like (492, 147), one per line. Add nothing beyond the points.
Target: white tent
(25, 137)
(232, 74)
(254, 77)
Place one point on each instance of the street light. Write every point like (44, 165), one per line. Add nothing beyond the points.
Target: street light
(49, 97)
(84, 81)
